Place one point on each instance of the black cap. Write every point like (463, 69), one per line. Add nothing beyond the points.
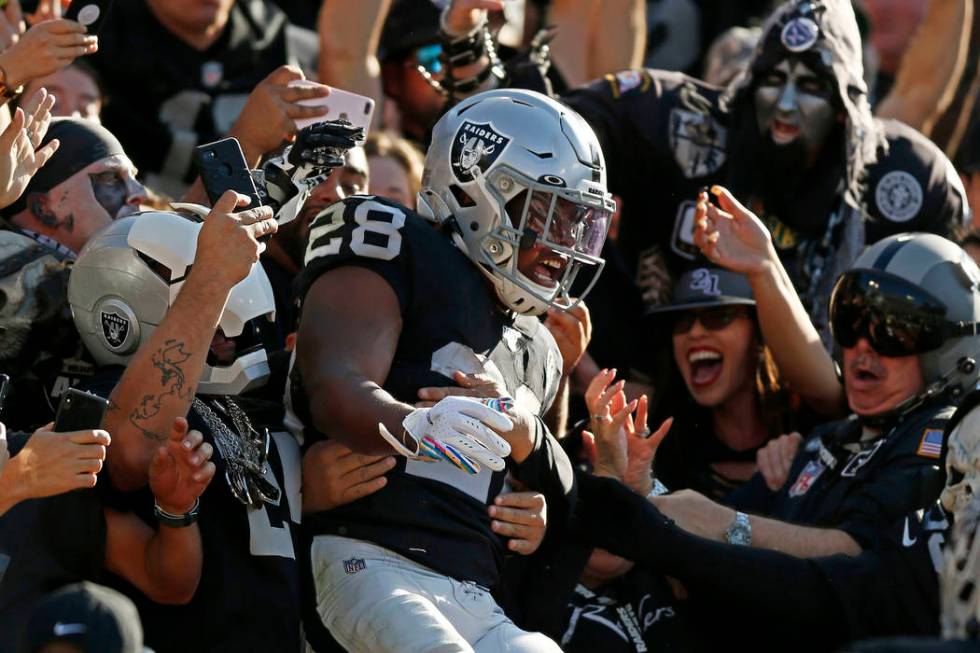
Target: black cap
(94, 618)
(81, 143)
(708, 286)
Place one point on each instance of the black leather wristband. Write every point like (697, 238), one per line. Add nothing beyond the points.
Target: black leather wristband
(177, 521)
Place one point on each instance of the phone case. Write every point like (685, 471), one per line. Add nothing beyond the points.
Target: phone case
(79, 411)
(222, 167)
(341, 105)
(90, 13)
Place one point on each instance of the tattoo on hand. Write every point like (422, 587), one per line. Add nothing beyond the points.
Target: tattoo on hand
(173, 382)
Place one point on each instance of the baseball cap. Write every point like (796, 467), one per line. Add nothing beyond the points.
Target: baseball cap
(97, 619)
(705, 286)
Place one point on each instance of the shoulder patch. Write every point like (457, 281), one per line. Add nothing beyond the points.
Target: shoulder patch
(898, 196)
(697, 141)
(931, 444)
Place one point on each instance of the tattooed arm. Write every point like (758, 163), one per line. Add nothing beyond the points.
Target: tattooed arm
(160, 380)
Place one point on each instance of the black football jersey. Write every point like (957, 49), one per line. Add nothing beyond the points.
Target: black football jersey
(858, 486)
(430, 512)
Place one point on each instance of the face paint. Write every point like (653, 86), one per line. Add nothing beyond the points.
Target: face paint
(93, 197)
(793, 104)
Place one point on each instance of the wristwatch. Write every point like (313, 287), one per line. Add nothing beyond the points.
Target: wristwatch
(177, 521)
(740, 530)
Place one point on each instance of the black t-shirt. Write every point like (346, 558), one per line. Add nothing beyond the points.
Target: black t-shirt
(434, 514)
(50, 543)
(860, 487)
(248, 596)
(634, 613)
(165, 97)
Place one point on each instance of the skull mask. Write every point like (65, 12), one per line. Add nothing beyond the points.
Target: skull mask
(961, 572)
(963, 464)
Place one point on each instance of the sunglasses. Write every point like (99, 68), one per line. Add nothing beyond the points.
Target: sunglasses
(712, 319)
(429, 57)
(896, 317)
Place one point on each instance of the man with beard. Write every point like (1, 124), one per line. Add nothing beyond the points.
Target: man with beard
(88, 183)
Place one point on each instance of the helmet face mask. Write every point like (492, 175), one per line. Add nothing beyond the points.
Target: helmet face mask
(521, 180)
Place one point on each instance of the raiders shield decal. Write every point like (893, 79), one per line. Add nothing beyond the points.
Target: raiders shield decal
(115, 328)
(697, 141)
(476, 146)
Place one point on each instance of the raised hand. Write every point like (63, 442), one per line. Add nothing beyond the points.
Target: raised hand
(45, 48)
(19, 157)
(53, 463)
(731, 236)
(181, 469)
(228, 243)
(572, 331)
(776, 459)
(641, 447)
(464, 15)
(271, 111)
(522, 517)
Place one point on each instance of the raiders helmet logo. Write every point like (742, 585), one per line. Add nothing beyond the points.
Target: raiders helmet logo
(115, 329)
(476, 146)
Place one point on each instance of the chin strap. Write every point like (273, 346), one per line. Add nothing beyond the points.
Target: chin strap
(933, 392)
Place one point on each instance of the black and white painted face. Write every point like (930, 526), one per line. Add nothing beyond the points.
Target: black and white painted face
(793, 104)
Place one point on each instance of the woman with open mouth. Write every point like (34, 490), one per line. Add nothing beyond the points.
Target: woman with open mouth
(734, 402)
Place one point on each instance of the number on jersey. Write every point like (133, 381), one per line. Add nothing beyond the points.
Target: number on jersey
(376, 235)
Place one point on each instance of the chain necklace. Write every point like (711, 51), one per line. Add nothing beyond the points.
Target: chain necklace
(244, 450)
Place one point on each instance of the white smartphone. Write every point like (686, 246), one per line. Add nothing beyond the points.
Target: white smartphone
(341, 105)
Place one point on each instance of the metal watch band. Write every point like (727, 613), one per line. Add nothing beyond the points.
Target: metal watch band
(177, 521)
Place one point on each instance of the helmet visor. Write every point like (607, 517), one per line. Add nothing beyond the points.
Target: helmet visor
(898, 318)
(562, 222)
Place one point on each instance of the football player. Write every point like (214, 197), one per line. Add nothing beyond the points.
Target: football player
(513, 206)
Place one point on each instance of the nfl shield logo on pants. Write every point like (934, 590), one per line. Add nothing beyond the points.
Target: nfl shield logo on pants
(354, 565)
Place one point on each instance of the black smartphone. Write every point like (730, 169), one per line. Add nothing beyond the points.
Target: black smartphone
(222, 168)
(90, 13)
(79, 411)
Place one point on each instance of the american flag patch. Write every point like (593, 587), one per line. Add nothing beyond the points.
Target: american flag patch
(931, 445)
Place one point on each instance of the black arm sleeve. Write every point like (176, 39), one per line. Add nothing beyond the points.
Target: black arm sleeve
(727, 581)
(548, 471)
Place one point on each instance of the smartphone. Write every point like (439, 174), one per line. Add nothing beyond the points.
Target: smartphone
(222, 167)
(341, 105)
(90, 13)
(79, 411)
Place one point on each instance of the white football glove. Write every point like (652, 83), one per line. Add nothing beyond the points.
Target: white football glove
(457, 430)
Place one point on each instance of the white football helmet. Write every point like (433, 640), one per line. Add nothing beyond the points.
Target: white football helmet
(521, 181)
(127, 277)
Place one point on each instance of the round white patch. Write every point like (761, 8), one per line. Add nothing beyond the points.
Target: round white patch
(89, 14)
(898, 196)
(799, 34)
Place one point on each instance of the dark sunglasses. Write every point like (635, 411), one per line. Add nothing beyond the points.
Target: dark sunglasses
(896, 317)
(712, 319)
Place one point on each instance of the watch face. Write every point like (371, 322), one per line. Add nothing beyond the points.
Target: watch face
(740, 532)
